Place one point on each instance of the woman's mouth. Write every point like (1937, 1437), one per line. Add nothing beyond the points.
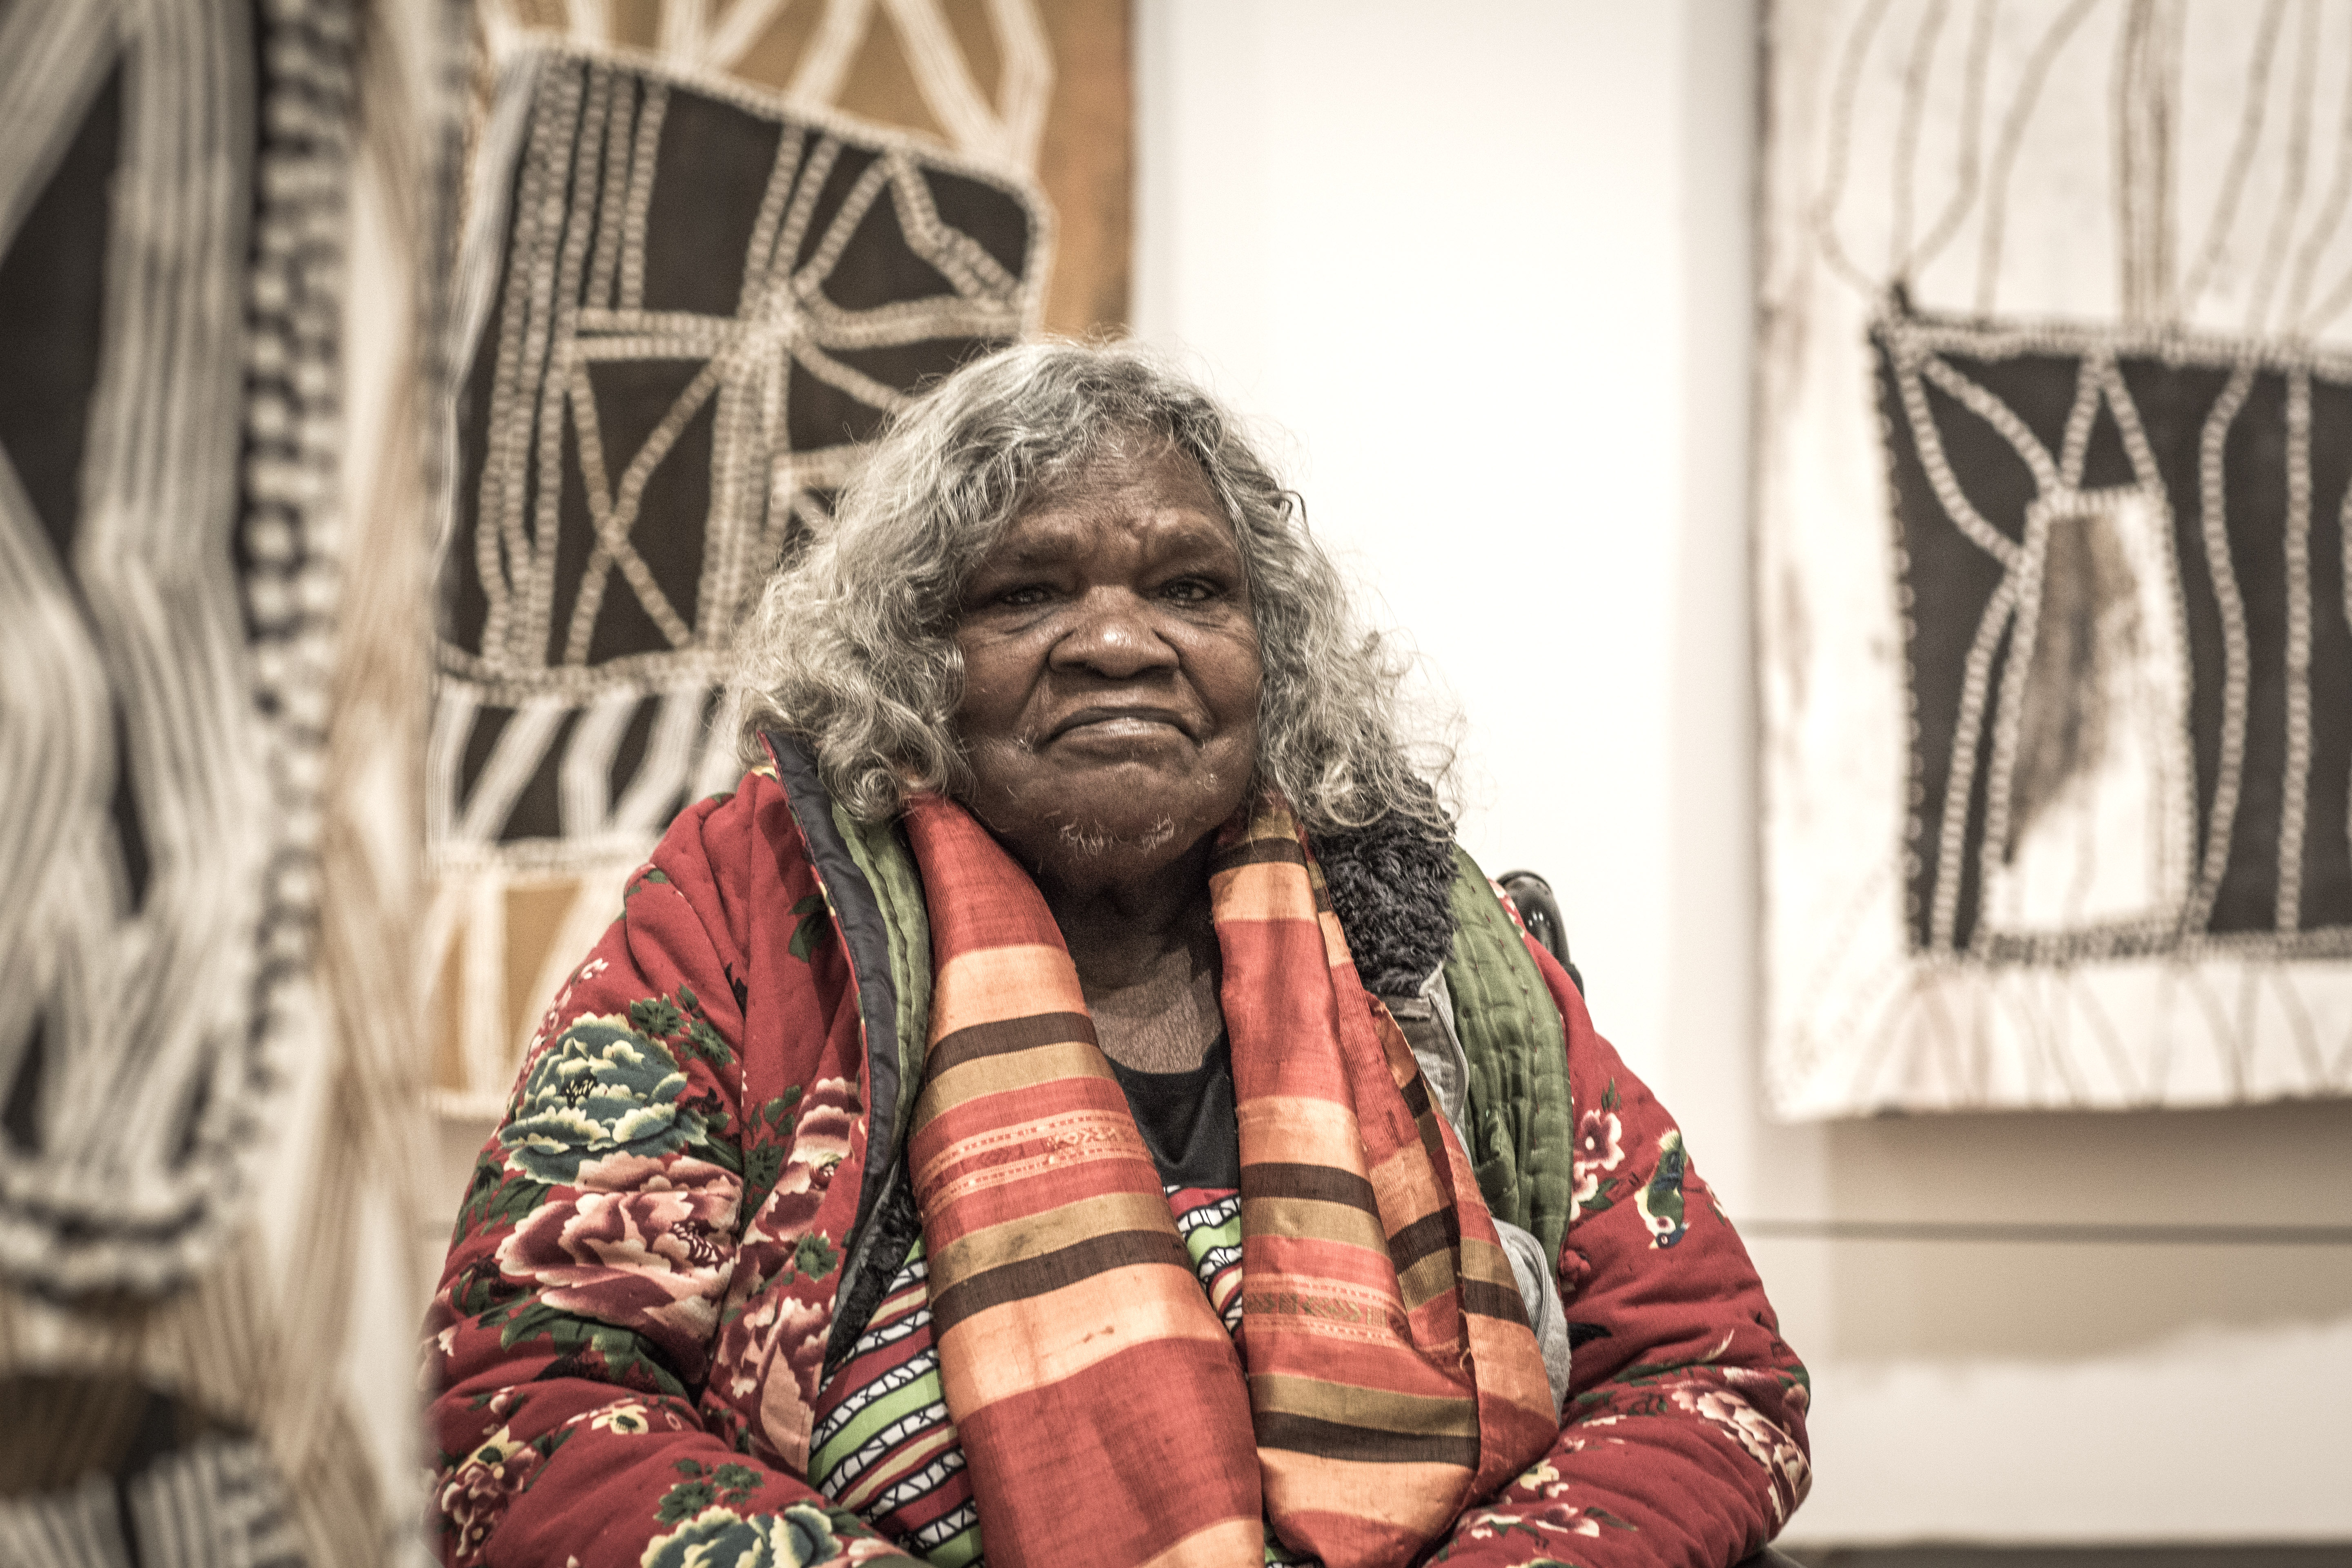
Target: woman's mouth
(1103, 723)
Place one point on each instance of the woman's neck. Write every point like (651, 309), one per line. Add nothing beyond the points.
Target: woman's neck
(1147, 959)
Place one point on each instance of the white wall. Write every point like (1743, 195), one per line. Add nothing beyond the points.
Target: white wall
(1489, 265)
(1360, 217)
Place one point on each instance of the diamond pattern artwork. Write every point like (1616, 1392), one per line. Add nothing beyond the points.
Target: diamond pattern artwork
(688, 308)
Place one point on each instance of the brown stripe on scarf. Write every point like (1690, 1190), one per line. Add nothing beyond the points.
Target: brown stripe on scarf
(1345, 1440)
(1433, 1232)
(1051, 1271)
(1489, 1284)
(1408, 1414)
(1282, 851)
(977, 1251)
(1495, 1300)
(1318, 1183)
(1008, 1034)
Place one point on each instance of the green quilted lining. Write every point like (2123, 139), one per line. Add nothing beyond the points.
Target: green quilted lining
(1522, 1127)
(890, 869)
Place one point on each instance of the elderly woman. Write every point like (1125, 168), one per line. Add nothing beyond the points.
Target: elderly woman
(1074, 1103)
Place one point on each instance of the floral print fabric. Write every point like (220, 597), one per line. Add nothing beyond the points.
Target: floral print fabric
(628, 1344)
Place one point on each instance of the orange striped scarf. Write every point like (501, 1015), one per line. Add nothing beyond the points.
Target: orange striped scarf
(1385, 1375)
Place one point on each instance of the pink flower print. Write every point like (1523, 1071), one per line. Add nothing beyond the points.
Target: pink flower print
(1599, 1140)
(641, 1243)
(788, 1390)
(476, 1491)
(820, 1142)
(1759, 1438)
(1600, 1147)
(746, 1331)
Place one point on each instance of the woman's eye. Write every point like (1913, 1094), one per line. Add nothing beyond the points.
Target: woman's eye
(1190, 589)
(1022, 597)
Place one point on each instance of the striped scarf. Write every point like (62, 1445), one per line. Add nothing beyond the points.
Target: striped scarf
(1385, 1376)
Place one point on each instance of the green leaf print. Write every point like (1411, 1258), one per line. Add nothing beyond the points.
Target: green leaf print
(730, 1484)
(621, 1351)
(721, 1154)
(736, 1482)
(498, 1197)
(709, 1044)
(684, 1500)
(815, 1257)
(657, 1016)
(761, 1166)
(654, 878)
(547, 1443)
(813, 925)
(481, 1289)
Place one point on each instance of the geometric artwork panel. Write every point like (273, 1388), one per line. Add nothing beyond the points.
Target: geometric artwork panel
(688, 305)
(2054, 579)
(1042, 86)
(2127, 590)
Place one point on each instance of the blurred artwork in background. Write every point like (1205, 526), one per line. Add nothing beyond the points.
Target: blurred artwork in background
(710, 248)
(2055, 581)
(213, 530)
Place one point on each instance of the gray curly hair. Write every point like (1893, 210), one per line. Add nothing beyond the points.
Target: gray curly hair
(852, 650)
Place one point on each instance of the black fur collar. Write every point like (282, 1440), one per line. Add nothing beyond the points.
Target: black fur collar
(1391, 887)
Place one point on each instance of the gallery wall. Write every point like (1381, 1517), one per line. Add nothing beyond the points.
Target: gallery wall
(1486, 270)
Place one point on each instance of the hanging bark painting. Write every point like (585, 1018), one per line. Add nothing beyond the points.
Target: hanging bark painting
(2055, 583)
(166, 458)
(710, 250)
(213, 530)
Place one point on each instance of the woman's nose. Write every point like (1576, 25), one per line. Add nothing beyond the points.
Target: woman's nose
(1113, 635)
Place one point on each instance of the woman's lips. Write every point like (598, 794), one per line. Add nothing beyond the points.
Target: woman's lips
(1120, 724)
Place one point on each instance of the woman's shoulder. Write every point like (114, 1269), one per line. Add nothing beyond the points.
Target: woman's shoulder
(730, 850)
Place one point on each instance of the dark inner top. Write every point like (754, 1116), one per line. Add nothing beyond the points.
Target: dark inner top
(1188, 1119)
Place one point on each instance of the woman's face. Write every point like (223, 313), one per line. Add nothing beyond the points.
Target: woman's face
(1111, 670)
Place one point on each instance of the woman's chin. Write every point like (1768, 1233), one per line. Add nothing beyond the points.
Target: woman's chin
(1123, 837)
(1132, 838)
(1081, 820)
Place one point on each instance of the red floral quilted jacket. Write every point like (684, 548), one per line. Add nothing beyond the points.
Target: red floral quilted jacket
(629, 1335)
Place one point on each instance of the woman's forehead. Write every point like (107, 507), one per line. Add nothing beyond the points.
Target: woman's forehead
(1157, 497)
(1121, 460)
(1060, 530)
